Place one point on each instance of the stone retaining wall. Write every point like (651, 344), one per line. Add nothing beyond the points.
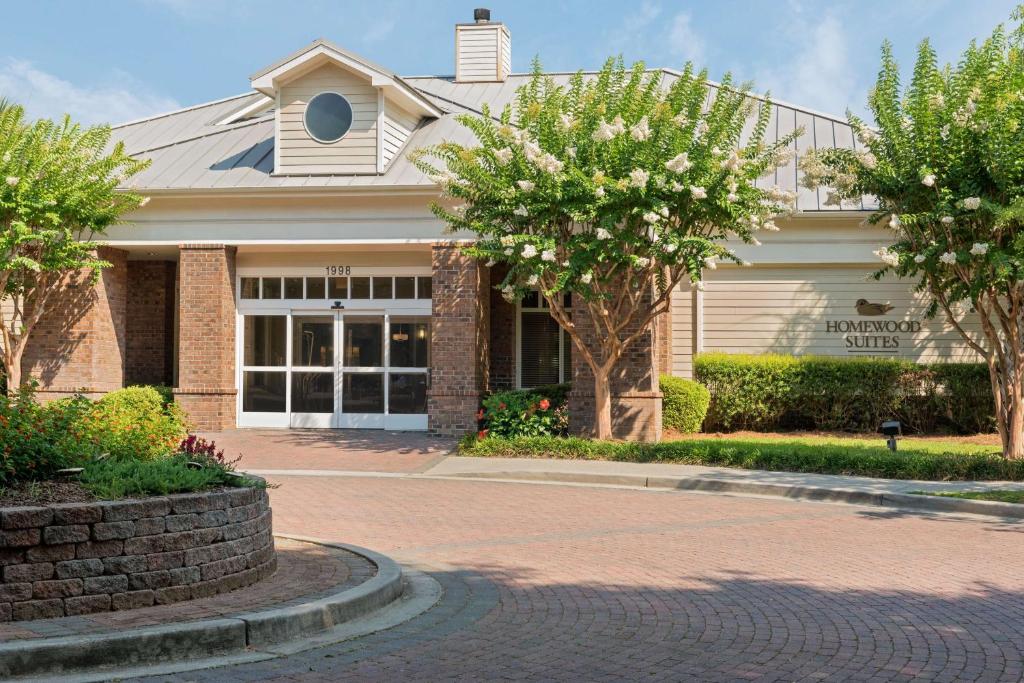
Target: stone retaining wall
(78, 558)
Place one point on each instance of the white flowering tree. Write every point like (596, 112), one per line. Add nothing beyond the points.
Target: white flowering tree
(58, 188)
(616, 188)
(946, 163)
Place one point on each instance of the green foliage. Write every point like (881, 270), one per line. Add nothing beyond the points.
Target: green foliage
(38, 440)
(747, 392)
(525, 412)
(129, 424)
(133, 424)
(685, 404)
(58, 189)
(1001, 496)
(608, 175)
(109, 479)
(768, 454)
(769, 392)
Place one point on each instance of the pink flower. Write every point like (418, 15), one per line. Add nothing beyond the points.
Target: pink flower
(544, 404)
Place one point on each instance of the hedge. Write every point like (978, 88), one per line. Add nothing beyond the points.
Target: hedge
(774, 455)
(772, 392)
(684, 404)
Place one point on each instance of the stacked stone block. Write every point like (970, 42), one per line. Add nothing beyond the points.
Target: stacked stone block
(79, 558)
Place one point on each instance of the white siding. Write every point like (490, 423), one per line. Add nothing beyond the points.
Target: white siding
(683, 312)
(479, 53)
(506, 53)
(787, 310)
(356, 152)
(398, 126)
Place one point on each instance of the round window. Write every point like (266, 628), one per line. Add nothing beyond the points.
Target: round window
(328, 117)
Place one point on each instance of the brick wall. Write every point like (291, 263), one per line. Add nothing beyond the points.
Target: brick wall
(460, 339)
(149, 354)
(206, 335)
(79, 343)
(636, 399)
(79, 558)
(502, 373)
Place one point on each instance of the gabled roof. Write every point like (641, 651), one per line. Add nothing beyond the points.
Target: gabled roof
(192, 151)
(323, 51)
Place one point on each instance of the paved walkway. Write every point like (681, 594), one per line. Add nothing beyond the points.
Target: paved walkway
(305, 572)
(332, 449)
(510, 467)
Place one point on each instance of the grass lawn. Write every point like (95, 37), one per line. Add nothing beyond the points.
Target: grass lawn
(1006, 496)
(980, 444)
(929, 459)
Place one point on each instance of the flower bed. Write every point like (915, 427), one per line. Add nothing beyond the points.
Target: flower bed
(78, 558)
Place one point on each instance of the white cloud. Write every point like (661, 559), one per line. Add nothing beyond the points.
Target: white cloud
(47, 96)
(684, 42)
(819, 73)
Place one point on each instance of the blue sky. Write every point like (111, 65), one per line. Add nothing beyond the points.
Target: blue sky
(115, 60)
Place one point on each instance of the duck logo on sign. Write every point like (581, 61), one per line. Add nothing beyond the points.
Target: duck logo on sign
(872, 336)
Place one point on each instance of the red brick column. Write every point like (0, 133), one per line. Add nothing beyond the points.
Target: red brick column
(206, 335)
(459, 341)
(636, 398)
(79, 343)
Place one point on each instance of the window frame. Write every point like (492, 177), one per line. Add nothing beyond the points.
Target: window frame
(351, 123)
(564, 373)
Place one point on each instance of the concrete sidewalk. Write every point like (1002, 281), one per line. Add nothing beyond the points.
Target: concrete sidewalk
(823, 487)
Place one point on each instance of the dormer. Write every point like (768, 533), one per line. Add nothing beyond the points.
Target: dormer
(336, 113)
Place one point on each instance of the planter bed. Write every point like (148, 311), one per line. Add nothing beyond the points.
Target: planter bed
(76, 558)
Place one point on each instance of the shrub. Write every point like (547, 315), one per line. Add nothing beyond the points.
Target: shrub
(37, 440)
(172, 474)
(771, 392)
(684, 404)
(775, 454)
(524, 412)
(133, 423)
(747, 392)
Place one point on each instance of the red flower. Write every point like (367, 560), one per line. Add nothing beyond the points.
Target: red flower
(544, 404)
(480, 414)
(502, 406)
(481, 434)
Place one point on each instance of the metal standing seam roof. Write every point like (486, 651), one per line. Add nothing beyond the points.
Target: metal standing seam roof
(190, 151)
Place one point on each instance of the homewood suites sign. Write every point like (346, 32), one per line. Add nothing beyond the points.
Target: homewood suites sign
(872, 336)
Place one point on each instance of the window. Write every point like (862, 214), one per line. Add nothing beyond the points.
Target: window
(328, 117)
(545, 350)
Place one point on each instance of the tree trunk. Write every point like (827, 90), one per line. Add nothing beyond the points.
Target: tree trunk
(1008, 390)
(12, 368)
(602, 403)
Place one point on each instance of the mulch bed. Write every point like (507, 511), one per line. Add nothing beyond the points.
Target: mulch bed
(44, 493)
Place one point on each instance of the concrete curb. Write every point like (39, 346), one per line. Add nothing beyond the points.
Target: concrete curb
(209, 637)
(903, 501)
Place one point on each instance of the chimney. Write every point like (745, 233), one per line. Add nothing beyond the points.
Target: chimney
(483, 50)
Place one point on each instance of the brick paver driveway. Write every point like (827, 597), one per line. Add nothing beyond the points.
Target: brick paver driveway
(571, 583)
(332, 449)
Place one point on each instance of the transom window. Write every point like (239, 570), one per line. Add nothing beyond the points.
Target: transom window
(545, 349)
(337, 287)
(328, 117)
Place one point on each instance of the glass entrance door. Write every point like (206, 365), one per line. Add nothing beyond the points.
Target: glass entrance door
(314, 400)
(349, 369)
(362, 370)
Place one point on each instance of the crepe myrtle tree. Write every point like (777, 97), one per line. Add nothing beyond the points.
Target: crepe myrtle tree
(946, 163)
(58, 190)
(616, 187)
